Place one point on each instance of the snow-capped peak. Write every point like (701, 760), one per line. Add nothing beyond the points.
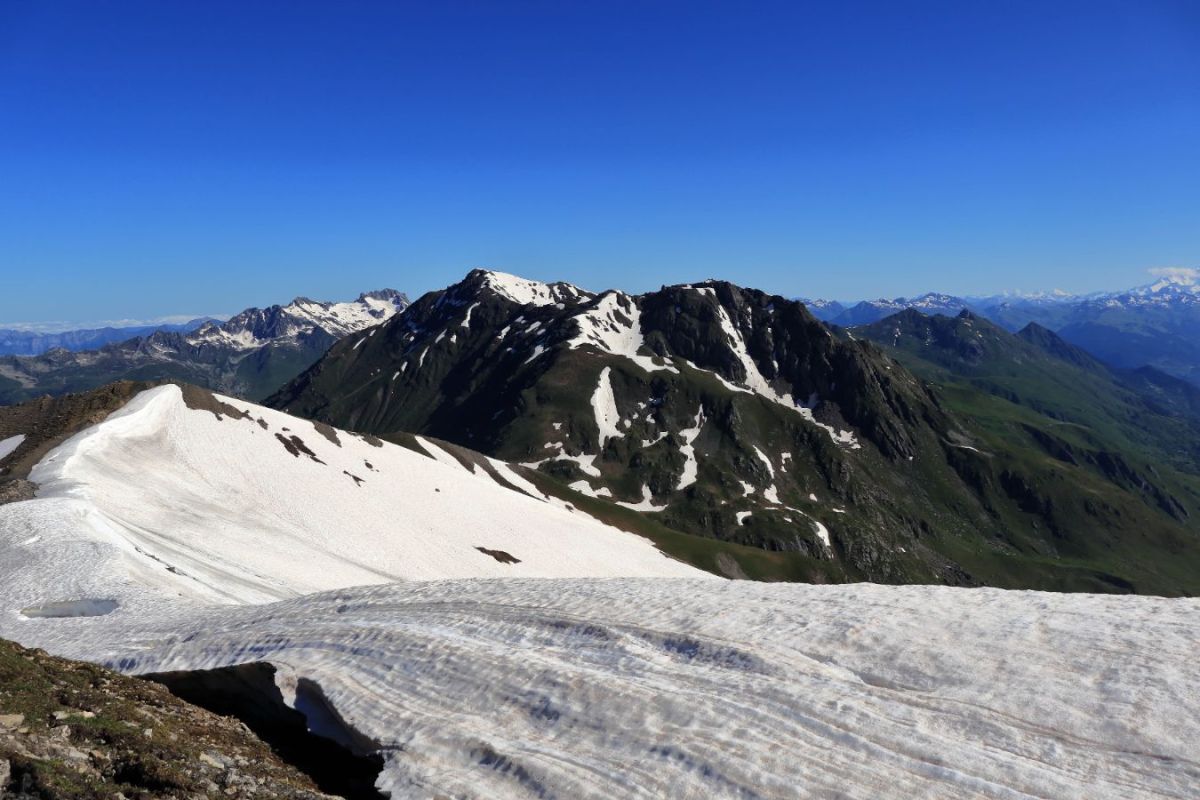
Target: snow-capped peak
(255, 327)
(1175, 278)
(526, 292)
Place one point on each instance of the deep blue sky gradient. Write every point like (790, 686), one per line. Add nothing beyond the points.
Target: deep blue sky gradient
(188, 157)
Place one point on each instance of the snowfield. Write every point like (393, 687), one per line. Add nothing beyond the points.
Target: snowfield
(167, 538)
(265, 507)
(656, 688)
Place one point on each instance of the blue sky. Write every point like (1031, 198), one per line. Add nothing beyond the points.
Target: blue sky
(196, 157)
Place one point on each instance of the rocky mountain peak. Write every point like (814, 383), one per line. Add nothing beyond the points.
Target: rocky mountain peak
(515, 289)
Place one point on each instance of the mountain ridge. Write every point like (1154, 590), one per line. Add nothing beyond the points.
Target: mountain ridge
(730, 414)
(250, 354)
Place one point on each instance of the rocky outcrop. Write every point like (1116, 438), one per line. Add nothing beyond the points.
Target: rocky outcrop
(70, 730)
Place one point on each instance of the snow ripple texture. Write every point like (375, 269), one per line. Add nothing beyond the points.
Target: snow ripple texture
(156, 530)
(651, 688)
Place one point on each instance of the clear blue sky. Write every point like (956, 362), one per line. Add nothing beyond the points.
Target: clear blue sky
(175, 157)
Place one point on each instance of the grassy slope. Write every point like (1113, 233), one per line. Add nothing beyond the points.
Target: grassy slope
(1035, 415)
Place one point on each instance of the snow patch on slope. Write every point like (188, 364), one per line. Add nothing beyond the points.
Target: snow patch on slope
(225, 510)
(691, 466)
(604, 406)
(646, 503)
(613, 324)
(9, 445)
(756, 382)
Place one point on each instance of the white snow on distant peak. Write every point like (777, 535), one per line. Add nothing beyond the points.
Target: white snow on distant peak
(299, 317)
(742, 516)
(613, 324)
(531, 293)
(7, 446)
(164, 499)
(691, 466)
(604, 405)
(1177, 276)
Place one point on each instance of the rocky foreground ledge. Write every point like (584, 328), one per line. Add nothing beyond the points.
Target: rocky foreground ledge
(74, 730)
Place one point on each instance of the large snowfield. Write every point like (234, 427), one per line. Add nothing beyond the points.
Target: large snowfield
(168, 539)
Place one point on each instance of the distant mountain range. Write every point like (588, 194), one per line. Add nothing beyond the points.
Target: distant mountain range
(1154, 325)
(743, 435)
(15, 342)
(250, 355)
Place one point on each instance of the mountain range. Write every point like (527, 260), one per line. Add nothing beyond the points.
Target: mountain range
(477, 547)
(250, 354)
(21, 342)
(449, 629)
(1153, 325)
(781, 450)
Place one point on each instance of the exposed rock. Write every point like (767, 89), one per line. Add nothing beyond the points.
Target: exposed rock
(72, 730)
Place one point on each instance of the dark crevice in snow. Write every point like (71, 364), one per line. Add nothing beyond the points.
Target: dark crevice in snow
(311, 736)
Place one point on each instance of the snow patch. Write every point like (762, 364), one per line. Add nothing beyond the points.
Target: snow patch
(531, 293)
(646, 504)
(466, 323)
(163, 499)
(604, 405)
(691, 466)
(583, 487)
(613, 324)
(8, 446)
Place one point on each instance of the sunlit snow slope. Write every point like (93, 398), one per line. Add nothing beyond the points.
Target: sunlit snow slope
(172, 537)
(653, 688)
(215, 507)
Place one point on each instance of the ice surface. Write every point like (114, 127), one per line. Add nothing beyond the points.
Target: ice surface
(155, 529)
(658, 688)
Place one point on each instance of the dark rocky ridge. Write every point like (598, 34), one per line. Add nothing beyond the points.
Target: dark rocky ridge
(922, 499)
